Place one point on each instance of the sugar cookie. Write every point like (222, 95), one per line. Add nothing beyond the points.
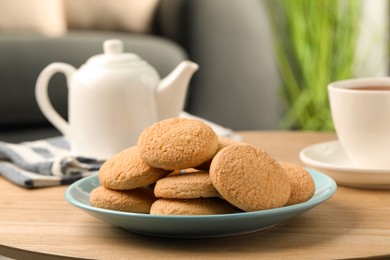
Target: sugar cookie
(202, 206)
(249, 178)
(302, 184)
(177, 143)
(126, 170)
(136, 200)
(196, 184)
(222, 143)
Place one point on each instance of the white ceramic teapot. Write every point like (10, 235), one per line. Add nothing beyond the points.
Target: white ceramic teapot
(112, 98)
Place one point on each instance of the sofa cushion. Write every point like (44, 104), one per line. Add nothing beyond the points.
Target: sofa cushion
(124, 15)
(42, 16)
(23, 57)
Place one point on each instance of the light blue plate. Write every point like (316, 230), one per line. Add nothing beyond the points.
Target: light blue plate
(197, 226)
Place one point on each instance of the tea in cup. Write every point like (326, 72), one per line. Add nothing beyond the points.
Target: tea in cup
(360, 111)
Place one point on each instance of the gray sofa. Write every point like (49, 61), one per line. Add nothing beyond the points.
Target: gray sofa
(236, 85)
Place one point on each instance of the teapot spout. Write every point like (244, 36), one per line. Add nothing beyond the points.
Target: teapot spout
(171, 91)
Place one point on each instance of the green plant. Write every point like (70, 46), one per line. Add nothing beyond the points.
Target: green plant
(315, 42)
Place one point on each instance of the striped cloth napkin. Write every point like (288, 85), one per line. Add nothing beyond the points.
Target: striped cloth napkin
(43, 163)
(48, 162)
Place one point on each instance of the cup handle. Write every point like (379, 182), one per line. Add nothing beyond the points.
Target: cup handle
(42, 97)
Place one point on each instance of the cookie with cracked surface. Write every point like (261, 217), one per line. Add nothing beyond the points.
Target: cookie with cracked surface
(137, 200)
(189, 185)
(302, 184)
(126, 170)
(201, 206)
(177, 143)
(249, 178)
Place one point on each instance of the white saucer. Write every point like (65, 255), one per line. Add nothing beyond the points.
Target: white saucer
(330, 158)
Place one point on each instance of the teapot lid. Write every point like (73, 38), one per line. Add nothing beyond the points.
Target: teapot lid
(113, 56)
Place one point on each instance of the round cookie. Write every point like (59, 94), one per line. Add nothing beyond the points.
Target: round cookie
(202, 206)
(126, 170)
(302, 184)
(136, 200)
(196, 184)
(222, 143)
(249, 178)
(177, 143)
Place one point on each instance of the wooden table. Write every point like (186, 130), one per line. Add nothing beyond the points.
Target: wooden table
(353, 223)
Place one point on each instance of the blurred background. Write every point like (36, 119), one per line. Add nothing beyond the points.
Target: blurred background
(264, 64)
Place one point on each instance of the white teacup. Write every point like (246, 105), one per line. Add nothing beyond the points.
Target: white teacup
(360, 110)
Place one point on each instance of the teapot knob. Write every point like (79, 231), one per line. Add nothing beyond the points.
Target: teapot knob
(113, 46)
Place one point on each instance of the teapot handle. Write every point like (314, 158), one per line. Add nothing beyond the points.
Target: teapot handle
(42, 97)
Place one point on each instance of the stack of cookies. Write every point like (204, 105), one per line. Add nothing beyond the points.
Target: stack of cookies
(181, 167)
